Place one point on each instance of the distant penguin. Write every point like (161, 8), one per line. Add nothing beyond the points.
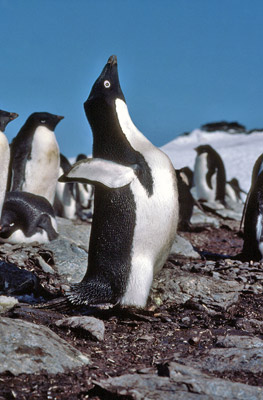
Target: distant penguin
(27, 218)
(186, 200)
(135, 205)
(187, 175)
(257, 169)
(253, 222)
(65, 204)
(234, 191)
(5, 118)
(35, 156)
(84, 193)
(209, 175)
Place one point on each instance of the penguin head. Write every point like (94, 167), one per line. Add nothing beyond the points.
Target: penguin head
(9, 223)
(46, 119)
(105, 90)
(107, 86)
(5, 118)
(204, 148)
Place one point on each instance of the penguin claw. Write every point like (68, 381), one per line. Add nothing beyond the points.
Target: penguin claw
(61, 304)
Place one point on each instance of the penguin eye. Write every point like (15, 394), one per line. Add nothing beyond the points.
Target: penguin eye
(12, 224)
(43, 121)
(107, 84)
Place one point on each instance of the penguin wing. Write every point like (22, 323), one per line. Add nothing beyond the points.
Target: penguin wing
(98, 170)
(209, 175)
(211, 170)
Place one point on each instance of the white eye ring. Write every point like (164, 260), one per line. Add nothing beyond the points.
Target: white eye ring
(107, 84)
(12, 224)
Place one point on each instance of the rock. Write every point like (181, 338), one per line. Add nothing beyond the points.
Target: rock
(183, 248)
(17, 281)
(199, 218)
(177, 286)
(234, 210)
(92, 325)
(74, 232)
(28, 348)
(182, 383)
(229, 214)
(70, 260)
(234, 353)
(225, 126)
(7, 303)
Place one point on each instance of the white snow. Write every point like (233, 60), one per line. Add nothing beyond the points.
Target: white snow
(238, 151)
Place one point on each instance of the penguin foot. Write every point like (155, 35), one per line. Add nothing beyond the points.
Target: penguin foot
(61, 305)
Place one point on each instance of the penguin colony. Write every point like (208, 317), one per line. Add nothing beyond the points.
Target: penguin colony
(129, 190)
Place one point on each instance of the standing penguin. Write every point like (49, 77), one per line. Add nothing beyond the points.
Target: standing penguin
(84, 197)
(253, 222)
(35, 156)
(135, 205)
(257, 169)
(233, 190)
(209, 175)
(186, 200)
(65, 197)
(5, 118)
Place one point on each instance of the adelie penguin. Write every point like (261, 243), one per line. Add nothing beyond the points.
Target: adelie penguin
(65, 204)
(257, 169)
(135, 205)
(209, 175)
(72, 199)
(27, 218)
(34, 163)
(186, 200)
(252, 215)
(5, 118)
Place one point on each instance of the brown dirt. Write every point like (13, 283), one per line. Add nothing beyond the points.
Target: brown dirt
(141, 339)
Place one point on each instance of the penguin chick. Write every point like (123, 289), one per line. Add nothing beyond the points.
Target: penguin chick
(5, 118)
(27, 218)
(35, 156)
(135, 203)
(209, 175)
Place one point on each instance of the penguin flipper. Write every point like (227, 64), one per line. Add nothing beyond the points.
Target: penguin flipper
(209, 175)
(98, 170)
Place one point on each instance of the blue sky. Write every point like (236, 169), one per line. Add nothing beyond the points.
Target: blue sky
(182, 63)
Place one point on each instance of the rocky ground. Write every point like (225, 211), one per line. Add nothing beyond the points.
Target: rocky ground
(201, 336)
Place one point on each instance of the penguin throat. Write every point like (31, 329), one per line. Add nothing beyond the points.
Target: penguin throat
(111, 142)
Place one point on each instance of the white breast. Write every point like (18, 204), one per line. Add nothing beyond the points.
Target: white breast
(259, 234)
(156, 216)
(4, 164)
(42, 170)
(202, 190)
(19, 237)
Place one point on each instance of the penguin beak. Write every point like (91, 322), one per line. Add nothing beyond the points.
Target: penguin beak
(112, 60)
(59, 117)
